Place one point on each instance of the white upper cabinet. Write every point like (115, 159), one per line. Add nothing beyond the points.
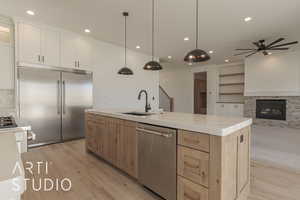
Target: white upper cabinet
(29, 43)
(68, 50)
(6, 56)
(38, 45)
(51, 47)
(84, 53)
(45, 46)
(76, 51)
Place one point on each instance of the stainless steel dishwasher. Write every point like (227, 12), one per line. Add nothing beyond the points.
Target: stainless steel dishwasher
(157, 159)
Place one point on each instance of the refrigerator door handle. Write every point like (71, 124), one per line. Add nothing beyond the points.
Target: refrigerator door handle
(58, 98)
(64, 97)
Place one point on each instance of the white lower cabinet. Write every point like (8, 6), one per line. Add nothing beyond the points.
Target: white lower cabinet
(230, 109)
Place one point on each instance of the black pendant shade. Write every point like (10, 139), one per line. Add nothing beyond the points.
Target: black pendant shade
(125, 70)
(197, 55)
(153, 65)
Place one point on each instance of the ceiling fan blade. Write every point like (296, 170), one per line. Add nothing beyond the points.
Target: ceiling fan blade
(238, 54)
(251, 54)
(286, 44)
(278, 49)
(245, 49)
(275, 42)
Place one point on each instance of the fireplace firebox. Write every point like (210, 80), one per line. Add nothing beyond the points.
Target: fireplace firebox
(274, 109)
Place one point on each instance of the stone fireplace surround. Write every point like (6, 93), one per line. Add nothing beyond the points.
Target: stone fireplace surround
(292, 112)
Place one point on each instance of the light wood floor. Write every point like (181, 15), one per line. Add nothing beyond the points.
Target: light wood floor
(93, 179)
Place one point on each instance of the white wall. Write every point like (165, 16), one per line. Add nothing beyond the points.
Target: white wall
(274, 75)
(177, 81)
(113, 91)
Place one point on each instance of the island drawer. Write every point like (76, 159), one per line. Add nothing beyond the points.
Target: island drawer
(187, 190)
(193, 165)
(95, 118)
(194, 140)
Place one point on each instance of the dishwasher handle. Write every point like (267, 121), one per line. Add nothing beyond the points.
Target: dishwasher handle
(154, 133)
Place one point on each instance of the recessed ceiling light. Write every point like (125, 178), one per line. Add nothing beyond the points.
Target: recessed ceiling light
(30, 12)
(87, 30)
(211, 52)
(186, 39)
(248, 19)
(138, 47)
(227, 60)
(169, 57)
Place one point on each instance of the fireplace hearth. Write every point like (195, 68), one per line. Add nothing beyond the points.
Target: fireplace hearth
(273, 109)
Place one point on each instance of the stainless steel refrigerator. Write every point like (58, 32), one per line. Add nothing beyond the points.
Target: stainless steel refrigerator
(53, 103)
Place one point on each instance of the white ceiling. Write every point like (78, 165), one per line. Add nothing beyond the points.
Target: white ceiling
(222, 26)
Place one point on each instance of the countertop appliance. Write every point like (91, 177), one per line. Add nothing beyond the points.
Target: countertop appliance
(157, 159)
(7, 122)
(53, 102)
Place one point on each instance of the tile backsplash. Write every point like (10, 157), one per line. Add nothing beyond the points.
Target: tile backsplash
(7, 102)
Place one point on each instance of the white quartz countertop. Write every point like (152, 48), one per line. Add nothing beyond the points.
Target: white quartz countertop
(209, 124)
(12, 179)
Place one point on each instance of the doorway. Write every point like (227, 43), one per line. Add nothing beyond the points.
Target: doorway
(200, 93)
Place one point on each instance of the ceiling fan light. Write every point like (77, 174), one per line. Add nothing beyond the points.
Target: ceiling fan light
(125, 71)
(153, 66)
(196, 56)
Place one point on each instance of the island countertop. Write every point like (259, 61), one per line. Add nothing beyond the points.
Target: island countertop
(209, 124)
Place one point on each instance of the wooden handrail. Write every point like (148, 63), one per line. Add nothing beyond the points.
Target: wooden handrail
(171, 99)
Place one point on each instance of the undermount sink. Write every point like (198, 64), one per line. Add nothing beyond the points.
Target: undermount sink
(138, 113)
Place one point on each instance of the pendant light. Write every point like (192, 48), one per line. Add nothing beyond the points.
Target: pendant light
(125, 70)
(152, 65)
(196, 55)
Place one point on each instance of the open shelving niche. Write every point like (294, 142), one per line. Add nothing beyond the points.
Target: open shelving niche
(231, 84)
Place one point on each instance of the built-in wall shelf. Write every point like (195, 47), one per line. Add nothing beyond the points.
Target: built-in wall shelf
(233, 93)
(232, 102)
(233, 74)
(230, 84)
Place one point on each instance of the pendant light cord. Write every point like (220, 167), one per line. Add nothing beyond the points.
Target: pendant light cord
(125, 41)
(197, 22)
(153, 30)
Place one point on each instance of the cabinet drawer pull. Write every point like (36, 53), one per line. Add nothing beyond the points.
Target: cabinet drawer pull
(39, 58)
(190, 165)
(189, 140)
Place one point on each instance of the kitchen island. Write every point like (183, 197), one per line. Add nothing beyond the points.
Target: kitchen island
(213, 152)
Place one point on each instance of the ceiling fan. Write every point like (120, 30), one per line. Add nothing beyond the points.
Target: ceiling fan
(264, 48)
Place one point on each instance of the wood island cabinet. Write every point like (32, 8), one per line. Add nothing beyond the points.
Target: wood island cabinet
(208, 167)
(113, 140)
